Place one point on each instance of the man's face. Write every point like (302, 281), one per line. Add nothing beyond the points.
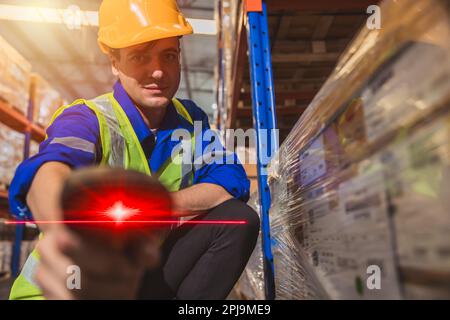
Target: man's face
(150, 72)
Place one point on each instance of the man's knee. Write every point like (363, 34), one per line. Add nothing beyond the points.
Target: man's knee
(252, 218)
(234, 209)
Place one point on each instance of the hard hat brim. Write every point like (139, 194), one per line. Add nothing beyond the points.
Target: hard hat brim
(146, 35)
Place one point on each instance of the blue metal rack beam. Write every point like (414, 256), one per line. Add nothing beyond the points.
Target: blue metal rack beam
(264, 118)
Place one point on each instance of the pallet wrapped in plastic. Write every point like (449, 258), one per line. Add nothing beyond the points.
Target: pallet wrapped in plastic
(11, 153)
(14, 77)
(46, 100)
(251, 283)
(360, 206)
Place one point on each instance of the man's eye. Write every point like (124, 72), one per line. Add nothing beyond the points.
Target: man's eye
(137, 59)
(170, 57)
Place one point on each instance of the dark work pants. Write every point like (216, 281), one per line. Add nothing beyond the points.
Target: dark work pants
(204, 261)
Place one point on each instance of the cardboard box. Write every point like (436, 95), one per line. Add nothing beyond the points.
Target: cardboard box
(46, 100)
(364, 177)
(5, 256)
(15, 73)
(11, 153)
(34, 148)
(418, 171)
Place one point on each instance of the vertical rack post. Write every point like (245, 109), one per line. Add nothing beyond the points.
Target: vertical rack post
(15, 259)
(20, 228)
(220, 94)
(264, 119)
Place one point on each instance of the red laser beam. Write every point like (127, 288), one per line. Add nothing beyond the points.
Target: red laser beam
(74, 222)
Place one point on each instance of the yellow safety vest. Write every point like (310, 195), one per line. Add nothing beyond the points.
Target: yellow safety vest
(121, 148)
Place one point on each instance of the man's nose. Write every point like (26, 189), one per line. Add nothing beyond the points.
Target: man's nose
(155, 69)
(157, 74)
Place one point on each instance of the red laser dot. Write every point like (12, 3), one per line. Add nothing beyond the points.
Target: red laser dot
(119, 212)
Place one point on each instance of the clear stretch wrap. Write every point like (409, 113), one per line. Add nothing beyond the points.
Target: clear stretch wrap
(361, 187)
(251, 283)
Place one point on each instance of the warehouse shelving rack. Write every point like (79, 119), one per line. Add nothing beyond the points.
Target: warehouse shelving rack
(264, 112)
(17, 121)
(24, 124)
(253, 18)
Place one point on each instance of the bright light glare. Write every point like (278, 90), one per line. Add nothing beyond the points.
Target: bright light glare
(203, 26)
(76, 18)
(119, 212)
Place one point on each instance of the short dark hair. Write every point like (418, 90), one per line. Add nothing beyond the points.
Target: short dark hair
(114, 52)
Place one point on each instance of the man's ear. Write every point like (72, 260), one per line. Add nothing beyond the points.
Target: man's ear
(114, 65)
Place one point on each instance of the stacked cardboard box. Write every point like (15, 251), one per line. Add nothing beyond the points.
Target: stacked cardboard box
(360, 187)
(34, 148)
(5, 258)
(11, 153)
(15, 77)
(417, 170)
(251, 283)
(6, 240)
(230, 19)
(46, 100)
(247, 156)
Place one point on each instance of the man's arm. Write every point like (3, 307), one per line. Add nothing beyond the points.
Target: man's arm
(44, 194)
(214, 182)
(75, 125)
(198, 198)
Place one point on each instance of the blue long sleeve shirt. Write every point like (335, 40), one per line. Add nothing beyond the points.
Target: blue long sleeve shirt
(80, 123)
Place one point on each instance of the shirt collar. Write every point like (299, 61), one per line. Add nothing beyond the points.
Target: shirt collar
(170, 121)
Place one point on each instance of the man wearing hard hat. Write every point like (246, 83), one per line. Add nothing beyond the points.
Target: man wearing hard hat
(131, 128)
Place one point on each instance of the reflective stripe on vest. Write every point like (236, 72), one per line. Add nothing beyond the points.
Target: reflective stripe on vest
(116, 157)
(24, 287)
(29, 269)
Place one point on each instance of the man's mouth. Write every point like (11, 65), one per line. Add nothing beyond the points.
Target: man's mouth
(154, 87)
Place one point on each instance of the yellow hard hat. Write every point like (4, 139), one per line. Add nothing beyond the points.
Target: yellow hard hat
(125, 23)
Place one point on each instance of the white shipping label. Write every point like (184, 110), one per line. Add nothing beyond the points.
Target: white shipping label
(363, 237)
(395, 98)
(363, 201)
(320, 225)
(420, 189)
(344, 271)
(312, 162)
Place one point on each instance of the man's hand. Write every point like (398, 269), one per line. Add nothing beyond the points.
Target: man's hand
(106, 272)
